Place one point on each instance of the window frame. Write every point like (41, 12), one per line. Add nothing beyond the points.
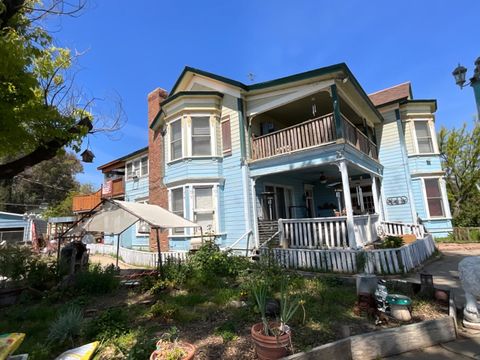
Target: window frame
(176, 232)
(131, 163)
(433, 138)
(211, 135)
(443, 202)
(212, 210)
(142, 200)
(170, 139)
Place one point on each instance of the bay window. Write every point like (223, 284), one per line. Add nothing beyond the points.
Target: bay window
(203, 210)
(176, 140)
(201, 136)
(424, 137)
(176, 206)
(434, 197)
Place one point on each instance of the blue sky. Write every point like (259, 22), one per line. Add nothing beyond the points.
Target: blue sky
(133, 47)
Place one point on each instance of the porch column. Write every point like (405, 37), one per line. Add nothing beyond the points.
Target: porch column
(376, 202)
(254, 212)
(342, 165)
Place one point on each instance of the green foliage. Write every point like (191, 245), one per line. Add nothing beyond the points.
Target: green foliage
(165, 311)
(35, 91)
(66, 327)
(208, 263)
(51, 182)
(42, 274)
(110, 323)
(97, 280)
(392, 242)
(227, 331)
(14, 261)
(460, 151)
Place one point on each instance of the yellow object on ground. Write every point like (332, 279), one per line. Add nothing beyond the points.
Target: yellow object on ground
(9, 343)
(83, 352)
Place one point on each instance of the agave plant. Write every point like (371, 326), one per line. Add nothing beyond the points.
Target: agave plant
(67, 326)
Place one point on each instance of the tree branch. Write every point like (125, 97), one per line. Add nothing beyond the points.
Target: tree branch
(44, 152)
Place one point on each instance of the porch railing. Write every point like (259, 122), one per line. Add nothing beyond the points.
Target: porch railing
(382, 261)
(308, 134)
(314, 233)
(358, 139)
(398, 229)
(326, 232)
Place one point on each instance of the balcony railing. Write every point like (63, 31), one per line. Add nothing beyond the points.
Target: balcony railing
(309, 134)
(84, 203)
(358, 139)
(113, 188)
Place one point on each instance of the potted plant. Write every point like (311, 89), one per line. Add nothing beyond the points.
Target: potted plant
(170, 348)
(273, 339)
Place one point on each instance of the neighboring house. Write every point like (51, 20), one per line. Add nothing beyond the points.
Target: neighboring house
(309, 157)
(16, 228)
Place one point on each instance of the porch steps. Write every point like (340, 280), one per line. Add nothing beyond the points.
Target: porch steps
(266, 229)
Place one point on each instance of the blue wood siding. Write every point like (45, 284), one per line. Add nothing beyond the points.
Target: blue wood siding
(424, 164)
(134, 189)
(193, 169)
(8, 221)
(396, 177)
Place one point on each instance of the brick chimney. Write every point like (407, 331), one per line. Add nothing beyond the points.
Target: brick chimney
(156, 161)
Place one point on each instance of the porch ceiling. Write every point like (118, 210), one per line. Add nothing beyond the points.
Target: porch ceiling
(331, 172)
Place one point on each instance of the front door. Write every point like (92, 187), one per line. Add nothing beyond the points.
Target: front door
(276, 202)
(309, 201)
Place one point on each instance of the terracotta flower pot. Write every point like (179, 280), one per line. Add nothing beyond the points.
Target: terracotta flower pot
(270, 347)
(187, 347)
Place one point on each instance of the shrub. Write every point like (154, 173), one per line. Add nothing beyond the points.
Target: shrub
(391, 242)
(14, 261)
(97, 280)
(227, 331)
(165, 311)
(109, 323)
(209, 262)
(67, 326)
(42, 275)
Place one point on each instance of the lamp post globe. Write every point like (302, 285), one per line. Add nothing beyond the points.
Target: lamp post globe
(459, 74)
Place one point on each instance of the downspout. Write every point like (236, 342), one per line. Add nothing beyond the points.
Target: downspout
(243, 164)
(405, 165)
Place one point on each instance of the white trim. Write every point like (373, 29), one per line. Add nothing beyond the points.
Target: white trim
(170, 202)
(132, 161)
(214, 85)
(433, 137)
(292, 96)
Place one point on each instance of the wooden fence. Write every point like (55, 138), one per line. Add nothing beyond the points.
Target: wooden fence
(466, 234)
(135, 257)
(381, 261)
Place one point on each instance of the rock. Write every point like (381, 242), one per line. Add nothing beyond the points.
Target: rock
(237, 304)
(401, 313)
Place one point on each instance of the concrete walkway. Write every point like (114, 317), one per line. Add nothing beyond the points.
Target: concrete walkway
(445, 274)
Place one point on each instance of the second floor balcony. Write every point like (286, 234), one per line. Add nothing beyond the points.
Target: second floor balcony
(309, 134)
(113, 188)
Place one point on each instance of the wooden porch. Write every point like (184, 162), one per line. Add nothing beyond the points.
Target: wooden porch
(310, 134)
(113, 188)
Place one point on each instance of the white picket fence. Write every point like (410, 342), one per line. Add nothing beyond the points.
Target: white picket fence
(136, 257)
(381, 261)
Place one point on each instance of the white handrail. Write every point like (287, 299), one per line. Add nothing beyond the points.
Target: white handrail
(236, 242)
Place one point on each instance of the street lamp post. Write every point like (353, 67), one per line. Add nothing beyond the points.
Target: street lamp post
(460, 73)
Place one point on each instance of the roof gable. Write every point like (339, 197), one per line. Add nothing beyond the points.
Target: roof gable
(392, 94)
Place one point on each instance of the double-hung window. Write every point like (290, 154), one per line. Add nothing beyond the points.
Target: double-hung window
(137, 168)
(203, 211)
(434, 197)
(424, 137)
(176, 140)
(201, 136)
(176, 207)
(142, 227)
